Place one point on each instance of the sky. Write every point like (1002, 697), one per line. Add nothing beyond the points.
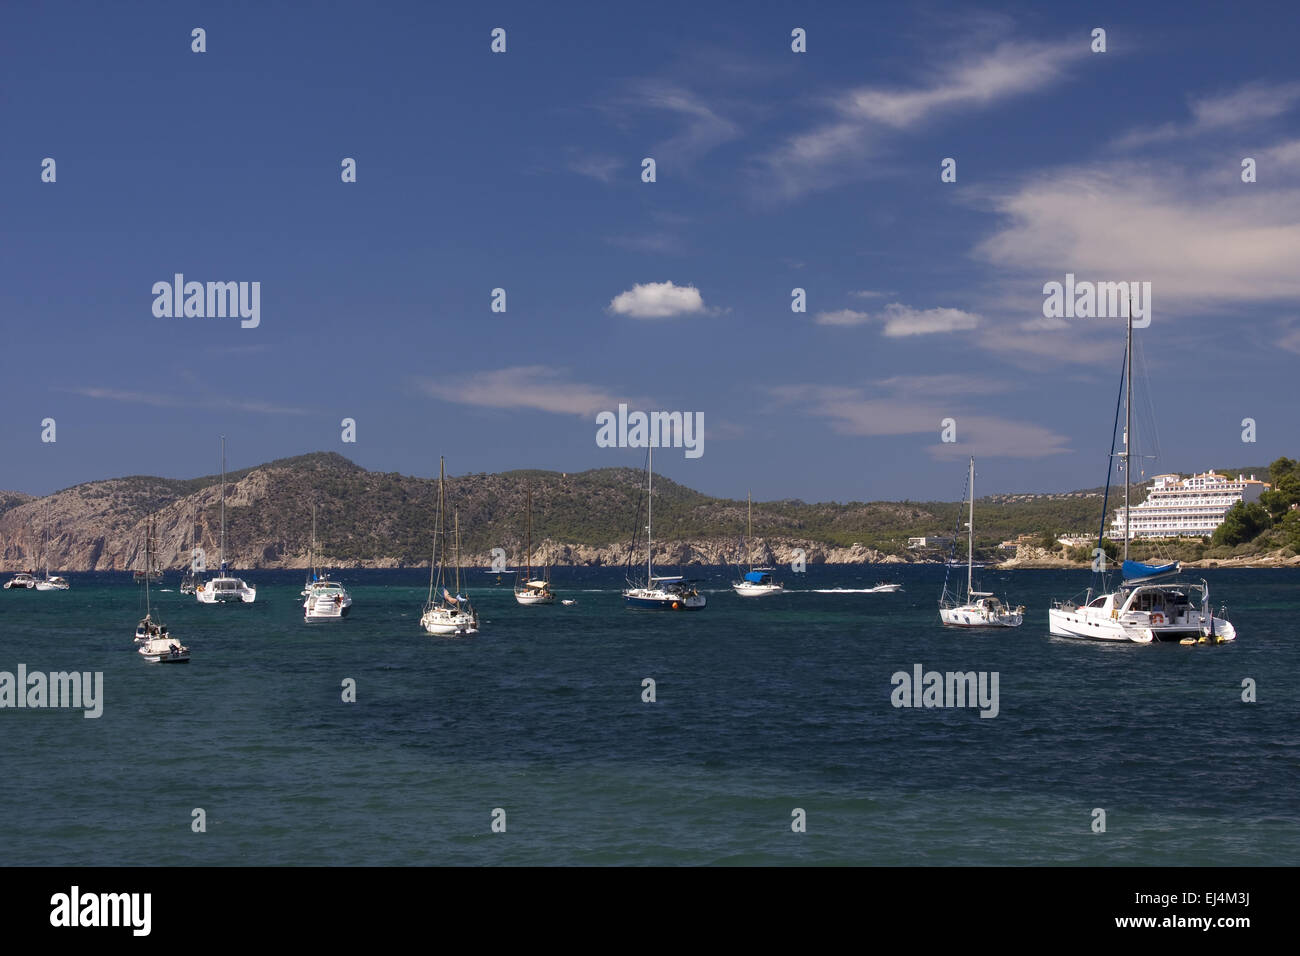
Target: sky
(522, 170)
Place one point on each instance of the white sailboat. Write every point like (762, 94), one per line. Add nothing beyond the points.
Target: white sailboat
(1141, 610)
(50, 582)
(981, 608)
(224, 588)
(155, 643)
(325, 600)
(447, 615)
(529, 590)
(660, 593)
(757, 582)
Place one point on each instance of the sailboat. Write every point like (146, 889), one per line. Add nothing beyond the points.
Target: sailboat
(447, 614)
(981, 608)
(156, 645)
(757, 582)
(1141, 610)
(665, 593)
(224, 589)
(531, 591)
(326, 600)
(50, 583)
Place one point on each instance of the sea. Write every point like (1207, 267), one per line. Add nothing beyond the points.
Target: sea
(768, 736)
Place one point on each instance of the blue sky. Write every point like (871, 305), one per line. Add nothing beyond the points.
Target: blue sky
(522, 170)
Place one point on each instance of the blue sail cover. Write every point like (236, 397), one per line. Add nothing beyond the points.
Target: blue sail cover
(1137, 571)
(757, 577)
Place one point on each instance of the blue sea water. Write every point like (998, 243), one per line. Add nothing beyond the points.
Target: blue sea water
(763, 706)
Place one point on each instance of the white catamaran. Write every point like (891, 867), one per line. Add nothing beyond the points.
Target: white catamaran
(757, 582)
(1141, 610)
(981, 608)
(325, 600)
(666, 593)
(447, 615)
(530, 591)
(224, 588)
(156, 645)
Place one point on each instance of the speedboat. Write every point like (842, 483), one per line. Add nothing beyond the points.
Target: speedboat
(22, 581)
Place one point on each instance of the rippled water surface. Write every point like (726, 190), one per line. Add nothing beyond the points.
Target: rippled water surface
(763, 706)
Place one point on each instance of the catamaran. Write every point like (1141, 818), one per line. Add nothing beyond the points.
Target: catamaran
(530, 590)
(1140, 610)
(448, 615)
(757, 582)
(667, 593)
(224, 588)
(156, 645)
(326, 600)
(981, 608)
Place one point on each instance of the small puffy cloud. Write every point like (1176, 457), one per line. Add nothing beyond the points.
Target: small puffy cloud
(902, 320)
(658, 300)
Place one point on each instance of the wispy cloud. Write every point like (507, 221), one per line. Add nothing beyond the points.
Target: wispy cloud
(537, 387)
(166, 399)
(869, 413)
(1243, 106)
(861, 120)
(900, 320)
(842, 317)
(655, 242)
(702, 128)
(658, 300)
(597, 166)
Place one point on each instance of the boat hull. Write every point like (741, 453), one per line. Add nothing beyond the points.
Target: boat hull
(210, 594)
(534, 598)
(1095, 624)
(671, 602)
(976, 617)
(745, 589)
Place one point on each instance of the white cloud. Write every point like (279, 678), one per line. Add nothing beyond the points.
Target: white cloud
(868, 294)
(165, 398)
(842, 317)
(903, 320)
(1198, 242)
(658, 300)
(599, 167)
(1251, 103)
(864, 118)
(855, 411)
(527, 386)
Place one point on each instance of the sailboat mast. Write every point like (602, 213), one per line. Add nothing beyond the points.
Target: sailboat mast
(442, 520)
(528, 534)
(749, 531)
(649, 515)
(222, 549)
(1128, 420)
(456, 519)
(313, 540)
(148, 533)
(970, 531)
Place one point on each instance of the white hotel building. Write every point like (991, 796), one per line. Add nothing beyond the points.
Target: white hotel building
(1177, 507)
